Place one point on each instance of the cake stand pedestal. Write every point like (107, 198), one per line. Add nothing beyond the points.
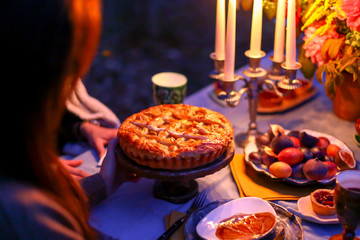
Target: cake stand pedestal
(176, 186)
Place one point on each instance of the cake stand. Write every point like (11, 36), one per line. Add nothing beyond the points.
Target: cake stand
(176, 186)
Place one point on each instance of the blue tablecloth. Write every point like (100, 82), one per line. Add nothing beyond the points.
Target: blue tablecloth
(133, 213)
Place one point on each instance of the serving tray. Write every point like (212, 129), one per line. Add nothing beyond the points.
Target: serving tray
(263, 169)
(285, 220)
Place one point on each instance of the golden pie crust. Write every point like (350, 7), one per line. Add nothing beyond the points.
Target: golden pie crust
(319, 208)
(175, 136)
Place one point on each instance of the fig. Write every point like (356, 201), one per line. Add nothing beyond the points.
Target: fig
(332, 169)
(291, 156)
(323, 143)
(314, 169)
(280, 169)
(294, 133)
(281, 142)
(262, 140)
(332, 150)
(295, 141)
(255, 157)
(268, 159)
(308, 140)
(274, 131)
(345, 160)
(306, 153)
(297, 171)
(317, 153)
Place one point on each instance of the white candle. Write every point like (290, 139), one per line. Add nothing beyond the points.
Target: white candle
(279, 41)
(291, 36)
(220, 30)
(229, 65)
(256, 28)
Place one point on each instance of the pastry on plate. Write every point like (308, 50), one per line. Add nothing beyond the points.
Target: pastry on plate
(175, 136)
(322, 201)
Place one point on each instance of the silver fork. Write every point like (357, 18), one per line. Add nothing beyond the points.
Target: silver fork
(198, 202)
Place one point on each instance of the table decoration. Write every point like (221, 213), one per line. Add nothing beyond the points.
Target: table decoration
(285, 220)
(256, 76)
(332, 43)
(252, 184)
(265, 168)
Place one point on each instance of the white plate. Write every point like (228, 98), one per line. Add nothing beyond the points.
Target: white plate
(305, 208)
(262, 168)
(206, 228)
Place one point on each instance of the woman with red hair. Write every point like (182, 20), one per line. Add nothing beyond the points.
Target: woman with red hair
(46, 46)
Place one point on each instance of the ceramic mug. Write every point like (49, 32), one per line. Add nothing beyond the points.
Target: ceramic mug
(169, 88)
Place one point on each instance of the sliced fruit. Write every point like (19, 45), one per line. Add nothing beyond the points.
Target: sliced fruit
(345, 160)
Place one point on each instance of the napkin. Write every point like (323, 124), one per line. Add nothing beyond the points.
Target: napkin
(87, 107)
(170, 220)
(252, 184)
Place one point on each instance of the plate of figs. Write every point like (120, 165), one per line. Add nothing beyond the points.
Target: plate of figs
(299, 157)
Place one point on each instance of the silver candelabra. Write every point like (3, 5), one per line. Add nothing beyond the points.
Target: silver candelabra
(256, 79)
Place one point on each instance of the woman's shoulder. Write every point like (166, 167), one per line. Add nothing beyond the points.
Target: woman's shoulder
(27, 212)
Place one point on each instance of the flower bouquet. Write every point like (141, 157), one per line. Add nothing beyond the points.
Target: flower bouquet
(331, 44)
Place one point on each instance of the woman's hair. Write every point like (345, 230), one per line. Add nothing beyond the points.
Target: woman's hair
(47, 45)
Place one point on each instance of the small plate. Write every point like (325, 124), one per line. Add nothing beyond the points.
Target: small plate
(247, 205)
(307, 213)
(285, 221)
(263, 169)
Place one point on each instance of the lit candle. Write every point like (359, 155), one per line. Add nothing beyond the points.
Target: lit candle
(279, 32)
(291, 36)
(220, 30)
(229, 65)
(256, 28)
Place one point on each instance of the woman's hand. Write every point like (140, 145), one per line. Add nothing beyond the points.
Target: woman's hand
(71, 165)
(113, 174)
(97, 136)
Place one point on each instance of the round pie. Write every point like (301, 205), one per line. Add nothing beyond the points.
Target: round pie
(175, 136)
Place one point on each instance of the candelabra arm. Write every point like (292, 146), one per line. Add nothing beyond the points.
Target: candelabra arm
(234, 97)
(271, 85)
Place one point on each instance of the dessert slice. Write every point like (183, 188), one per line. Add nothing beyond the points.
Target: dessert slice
(322, 201)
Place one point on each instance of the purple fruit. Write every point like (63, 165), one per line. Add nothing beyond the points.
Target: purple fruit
(294, 133)
(314, 169)
(281, 142)
(297, 171)
(267, 159)
(307, 140)
(317, 153)
(262, 140)
(307, 153)
(255, 157)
